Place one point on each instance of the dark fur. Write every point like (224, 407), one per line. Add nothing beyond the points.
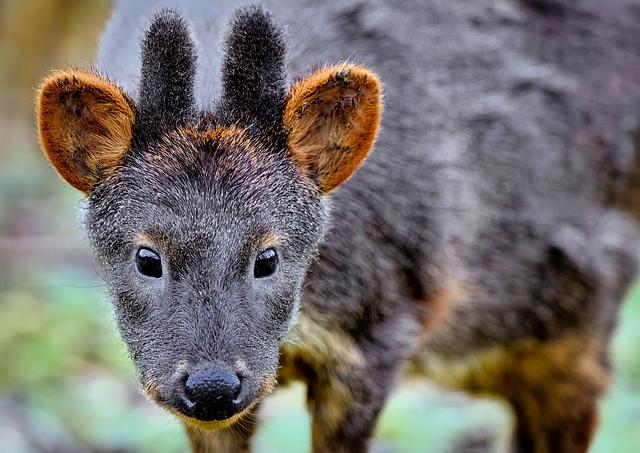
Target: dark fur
(487, 242)
(254, 75)
(205, 201)
(168, 72)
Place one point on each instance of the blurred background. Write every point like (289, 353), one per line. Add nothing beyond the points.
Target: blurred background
(66, 383)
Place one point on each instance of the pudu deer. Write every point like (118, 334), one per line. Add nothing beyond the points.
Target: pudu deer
(486, 243)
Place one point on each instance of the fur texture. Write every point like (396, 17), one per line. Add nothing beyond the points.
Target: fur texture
(85, 125)
(332, 119)
(486, 242)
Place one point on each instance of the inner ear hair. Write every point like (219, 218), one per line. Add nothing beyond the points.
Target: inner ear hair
(85, 125)
(332, 118)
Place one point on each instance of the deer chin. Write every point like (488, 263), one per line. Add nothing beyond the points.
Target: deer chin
(213, 424)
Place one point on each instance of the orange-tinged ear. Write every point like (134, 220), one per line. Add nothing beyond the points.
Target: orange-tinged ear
(332, 118)
(85, 125)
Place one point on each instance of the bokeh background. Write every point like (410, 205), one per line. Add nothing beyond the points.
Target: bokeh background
(66, 383)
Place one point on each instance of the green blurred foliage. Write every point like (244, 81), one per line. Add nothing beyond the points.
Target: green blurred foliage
(66, 383)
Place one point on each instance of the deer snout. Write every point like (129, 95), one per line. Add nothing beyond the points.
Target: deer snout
(212, 393)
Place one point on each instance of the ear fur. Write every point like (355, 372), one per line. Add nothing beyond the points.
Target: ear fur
(85, 125)
(332, 118)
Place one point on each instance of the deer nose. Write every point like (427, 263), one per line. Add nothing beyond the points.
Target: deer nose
(212, 393)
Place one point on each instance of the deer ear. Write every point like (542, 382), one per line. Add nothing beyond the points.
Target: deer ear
(332, 118)
(85, 125)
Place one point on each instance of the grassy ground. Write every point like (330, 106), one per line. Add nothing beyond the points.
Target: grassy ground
(65, 381)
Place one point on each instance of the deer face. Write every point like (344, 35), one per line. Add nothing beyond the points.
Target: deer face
(205, 223)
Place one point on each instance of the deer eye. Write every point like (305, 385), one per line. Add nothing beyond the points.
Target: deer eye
(148, 263)
(266, 263)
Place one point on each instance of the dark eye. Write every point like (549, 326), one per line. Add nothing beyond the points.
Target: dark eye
(266, 263)
(148, 263)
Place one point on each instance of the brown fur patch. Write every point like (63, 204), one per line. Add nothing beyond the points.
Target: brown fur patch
(321, 348)
(553, 386)
(236, 138)
(330, 354)
(154, 240)
(84, 124)
(271, 240)
(230, 137)
(142, 240)
(235, 439)
(332, 117)
(331, 401)
(452, 292)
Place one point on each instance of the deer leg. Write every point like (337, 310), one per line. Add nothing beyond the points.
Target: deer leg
(554, 390)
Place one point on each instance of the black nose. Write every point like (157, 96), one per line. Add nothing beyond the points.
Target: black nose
(212, 394)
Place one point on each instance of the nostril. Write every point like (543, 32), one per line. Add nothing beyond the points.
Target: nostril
(213, 390)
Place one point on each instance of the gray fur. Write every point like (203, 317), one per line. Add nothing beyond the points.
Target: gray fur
(506, 159)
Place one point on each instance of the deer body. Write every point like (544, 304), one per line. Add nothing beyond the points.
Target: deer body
(486, 242)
